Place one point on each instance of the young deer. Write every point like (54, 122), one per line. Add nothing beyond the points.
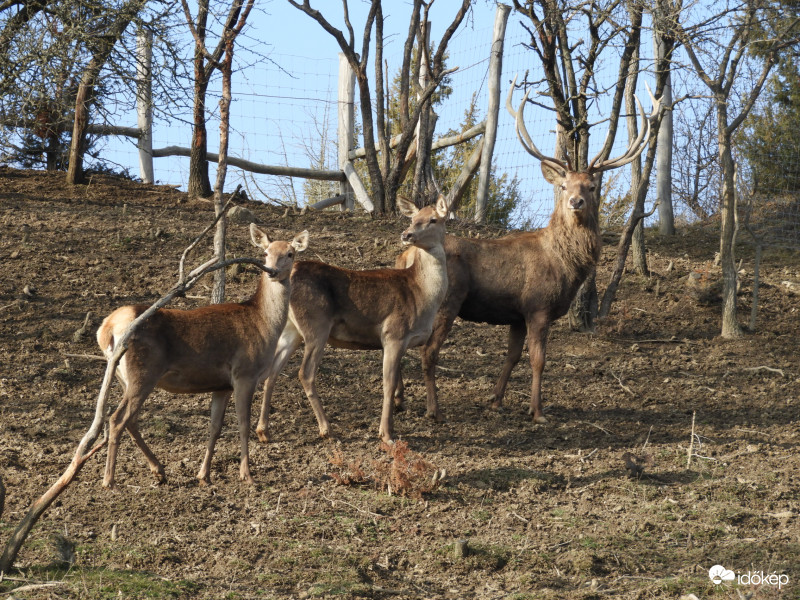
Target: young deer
(392, 309)
(524, 280)
(223, 349)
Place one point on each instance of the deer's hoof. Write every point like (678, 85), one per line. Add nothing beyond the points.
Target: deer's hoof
(495, 403)
(435, 415)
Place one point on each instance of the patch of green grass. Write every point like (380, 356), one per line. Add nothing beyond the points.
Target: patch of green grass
(340, 588)
(673, 587)
(589, 542)
(482, 515)
(101, 584)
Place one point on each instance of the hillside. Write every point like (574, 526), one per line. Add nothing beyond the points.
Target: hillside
(548, 511)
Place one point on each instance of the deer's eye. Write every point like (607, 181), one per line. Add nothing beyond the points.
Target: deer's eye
(564, 186)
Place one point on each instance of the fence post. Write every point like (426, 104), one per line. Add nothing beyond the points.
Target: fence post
(495, 71)
(144, 103)
(346, 124)
(666, 218)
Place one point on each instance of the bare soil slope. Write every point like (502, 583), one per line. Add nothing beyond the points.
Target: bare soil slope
(547, 511)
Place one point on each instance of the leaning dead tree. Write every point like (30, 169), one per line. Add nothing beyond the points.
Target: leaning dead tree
(89, 444)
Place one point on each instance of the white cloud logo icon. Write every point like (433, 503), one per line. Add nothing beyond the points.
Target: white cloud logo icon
(718, 574)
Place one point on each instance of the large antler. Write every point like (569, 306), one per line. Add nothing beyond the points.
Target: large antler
(522, 132)
(635, 149)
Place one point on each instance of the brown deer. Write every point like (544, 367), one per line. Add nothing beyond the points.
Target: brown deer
(223, 349)
(525, 280)
(389, 309)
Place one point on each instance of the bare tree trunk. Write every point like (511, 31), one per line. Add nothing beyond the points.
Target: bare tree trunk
(384, 189)
(634, 220)
(218, 293)
(492, 111)
(583, 311)
(382, 110)
(638, 250)
(730, 324)
(78, 146)
(422, 188)
(641, 176)
(199, 182)
(664, 44)
(742, 33)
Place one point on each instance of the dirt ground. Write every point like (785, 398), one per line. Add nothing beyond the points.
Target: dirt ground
(543, 511)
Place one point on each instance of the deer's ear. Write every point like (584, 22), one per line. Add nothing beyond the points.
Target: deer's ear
(258, 237)
(553, 175)
(441, 207)
(406, 207)
(300, 241)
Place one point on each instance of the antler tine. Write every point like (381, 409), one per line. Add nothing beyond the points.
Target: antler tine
(522, 131)
(594, 160)
(636, 148)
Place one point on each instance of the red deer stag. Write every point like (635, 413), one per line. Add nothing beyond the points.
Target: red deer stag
(524, 280)
(392, 309)
(223, 349)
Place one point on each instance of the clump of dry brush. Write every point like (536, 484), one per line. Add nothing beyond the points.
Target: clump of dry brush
(400, 471)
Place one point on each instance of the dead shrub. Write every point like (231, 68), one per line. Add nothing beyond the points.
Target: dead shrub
(401, 471)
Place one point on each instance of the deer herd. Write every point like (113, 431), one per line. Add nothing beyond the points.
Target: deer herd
(523, 280)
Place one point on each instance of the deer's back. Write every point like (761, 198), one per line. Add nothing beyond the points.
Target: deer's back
(359, 305)
(191, 351)
(501, 281)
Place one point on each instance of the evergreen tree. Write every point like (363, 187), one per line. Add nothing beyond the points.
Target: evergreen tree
(770, 140)
(504, 193)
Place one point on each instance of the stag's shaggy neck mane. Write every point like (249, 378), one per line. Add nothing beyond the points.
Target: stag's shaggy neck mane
(576, 243)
